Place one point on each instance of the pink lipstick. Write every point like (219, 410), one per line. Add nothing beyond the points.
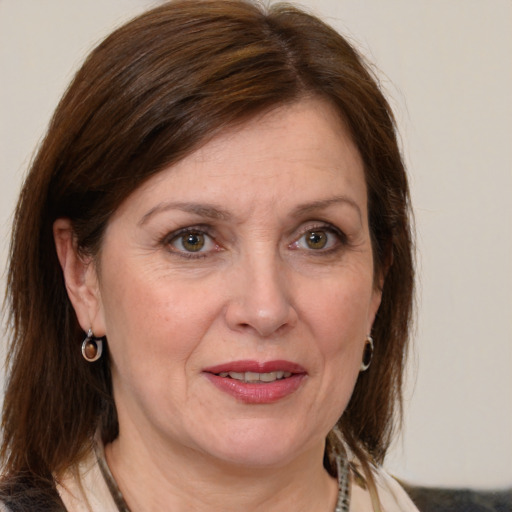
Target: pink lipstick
(256, 382)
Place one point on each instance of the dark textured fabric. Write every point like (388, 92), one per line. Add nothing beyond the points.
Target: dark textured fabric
(23, 495)
(431, 499)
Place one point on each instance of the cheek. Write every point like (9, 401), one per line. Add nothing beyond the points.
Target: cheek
(150, 320)
(339, 317)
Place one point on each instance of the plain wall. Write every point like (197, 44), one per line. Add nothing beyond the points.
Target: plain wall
(447, 69)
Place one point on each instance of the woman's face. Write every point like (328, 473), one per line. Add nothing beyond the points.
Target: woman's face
(236, 291)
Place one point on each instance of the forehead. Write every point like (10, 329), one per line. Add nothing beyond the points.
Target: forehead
(296, 153)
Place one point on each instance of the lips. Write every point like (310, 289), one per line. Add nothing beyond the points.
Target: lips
(256, 377)
(257, 382)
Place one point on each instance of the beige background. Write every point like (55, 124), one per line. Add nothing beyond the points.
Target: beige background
(448, 73)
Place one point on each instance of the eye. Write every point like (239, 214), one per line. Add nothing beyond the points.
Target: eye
(319, 239)
(192, 241)
(316, 239)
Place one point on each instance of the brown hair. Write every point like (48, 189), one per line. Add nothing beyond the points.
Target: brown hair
(150, 94)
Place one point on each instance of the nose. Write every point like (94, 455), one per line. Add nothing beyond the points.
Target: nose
(261, 300)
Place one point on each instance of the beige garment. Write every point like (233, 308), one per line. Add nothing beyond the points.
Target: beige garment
(87, 491)
(392, 496)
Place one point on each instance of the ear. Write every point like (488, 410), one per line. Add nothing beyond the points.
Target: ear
(81, 279)
(378, 286)
(374, 307)
(378, 283)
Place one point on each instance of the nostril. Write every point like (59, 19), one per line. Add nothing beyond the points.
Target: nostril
(261, 300)
(264, 323)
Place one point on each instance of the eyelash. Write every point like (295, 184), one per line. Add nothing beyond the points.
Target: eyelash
(190, 230)
(331, 230)
(205, 231)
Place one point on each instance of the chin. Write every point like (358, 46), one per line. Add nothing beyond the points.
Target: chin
(257, 447)
(260, 458)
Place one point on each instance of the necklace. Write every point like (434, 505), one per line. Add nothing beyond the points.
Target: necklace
(343, 503)
(342, 466)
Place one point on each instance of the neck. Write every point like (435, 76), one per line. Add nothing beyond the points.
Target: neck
(182, 480)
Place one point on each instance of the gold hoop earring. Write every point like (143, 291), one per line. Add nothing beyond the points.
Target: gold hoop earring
(367, 354)
(92, 347)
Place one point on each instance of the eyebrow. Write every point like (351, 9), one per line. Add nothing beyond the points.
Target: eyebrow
(214, 212)
(326, 203)
(203, 210)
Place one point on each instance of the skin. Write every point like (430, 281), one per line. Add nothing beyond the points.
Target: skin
(256, 290)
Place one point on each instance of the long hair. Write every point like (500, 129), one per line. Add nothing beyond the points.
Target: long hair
(153, 92)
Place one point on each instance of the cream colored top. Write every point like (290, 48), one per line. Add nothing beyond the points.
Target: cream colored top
(87, 491)
(392, 496)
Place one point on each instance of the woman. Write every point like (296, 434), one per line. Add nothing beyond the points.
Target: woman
(211, 275)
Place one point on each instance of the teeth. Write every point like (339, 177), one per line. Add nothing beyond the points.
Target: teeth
(256, 377)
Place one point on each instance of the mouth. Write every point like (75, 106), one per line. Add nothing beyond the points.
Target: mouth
(257, 382)
(254, 377)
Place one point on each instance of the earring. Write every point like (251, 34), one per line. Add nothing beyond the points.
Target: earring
(367, 354)
(92, 347)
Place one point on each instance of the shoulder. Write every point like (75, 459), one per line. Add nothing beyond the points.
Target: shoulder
(392, 496)
(80, 488)
(83, 488)
(21, 494)
(392, 493)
